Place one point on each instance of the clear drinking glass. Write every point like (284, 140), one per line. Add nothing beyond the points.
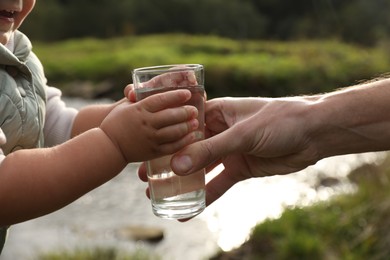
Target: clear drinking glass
(172, 196)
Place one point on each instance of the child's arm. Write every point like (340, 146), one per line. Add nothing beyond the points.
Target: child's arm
(91, 116)
(36, 182)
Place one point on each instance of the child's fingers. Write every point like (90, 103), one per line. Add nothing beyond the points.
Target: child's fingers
(165, 100)
(173, 132)
(128, 90)
(130, 95)
(172, 116)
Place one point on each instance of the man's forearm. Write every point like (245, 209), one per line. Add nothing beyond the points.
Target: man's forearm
(353, 120)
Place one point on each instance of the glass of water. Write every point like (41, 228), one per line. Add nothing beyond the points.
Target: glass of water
(173, 196)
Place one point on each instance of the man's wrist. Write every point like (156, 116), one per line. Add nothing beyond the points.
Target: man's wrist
(352, 120)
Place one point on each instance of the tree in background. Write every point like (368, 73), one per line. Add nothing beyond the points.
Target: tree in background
(358, 21)
(232, 18)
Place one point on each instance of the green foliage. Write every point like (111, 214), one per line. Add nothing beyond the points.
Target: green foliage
(233, 68)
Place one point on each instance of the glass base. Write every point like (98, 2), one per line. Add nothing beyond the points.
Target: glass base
(167, 212)
(178, 207)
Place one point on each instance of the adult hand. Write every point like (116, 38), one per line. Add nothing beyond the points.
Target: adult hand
(256, 137)
(251, 137)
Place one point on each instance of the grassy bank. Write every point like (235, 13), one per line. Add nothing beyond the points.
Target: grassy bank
(234, 68)
(354, 226)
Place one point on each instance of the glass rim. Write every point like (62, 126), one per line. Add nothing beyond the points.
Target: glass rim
(169, 67)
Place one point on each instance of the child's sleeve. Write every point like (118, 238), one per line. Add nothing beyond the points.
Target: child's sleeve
(59, 118)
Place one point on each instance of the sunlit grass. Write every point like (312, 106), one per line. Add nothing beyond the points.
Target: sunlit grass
(98, 254)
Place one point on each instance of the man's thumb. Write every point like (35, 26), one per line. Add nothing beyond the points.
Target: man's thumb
(201, 154)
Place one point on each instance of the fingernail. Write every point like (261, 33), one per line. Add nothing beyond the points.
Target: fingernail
(194, 124)
(182, 164)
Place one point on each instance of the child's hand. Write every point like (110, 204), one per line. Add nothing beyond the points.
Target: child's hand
(129, 93)
(155, 126)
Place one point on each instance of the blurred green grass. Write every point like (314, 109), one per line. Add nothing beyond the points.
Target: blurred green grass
(232, 68)
(100, 253)
(349, 226)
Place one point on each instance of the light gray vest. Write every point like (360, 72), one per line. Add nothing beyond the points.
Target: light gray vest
(22, 100)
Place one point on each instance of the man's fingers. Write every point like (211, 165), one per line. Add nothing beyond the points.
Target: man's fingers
(216, 187)
(174, 146)
(147, 192)
(182, 77)
(201, 154)
(142, 174)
